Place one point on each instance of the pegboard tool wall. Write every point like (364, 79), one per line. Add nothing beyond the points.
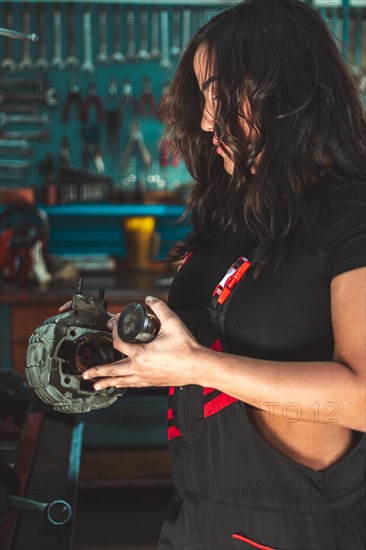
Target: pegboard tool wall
(169, 31)
(59, 78)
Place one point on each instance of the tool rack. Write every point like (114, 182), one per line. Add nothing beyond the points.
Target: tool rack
(90, 66)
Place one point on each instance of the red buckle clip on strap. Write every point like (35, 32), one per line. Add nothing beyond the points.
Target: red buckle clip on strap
(231, 279)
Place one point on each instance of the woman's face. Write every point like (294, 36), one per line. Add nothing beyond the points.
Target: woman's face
(208, 87)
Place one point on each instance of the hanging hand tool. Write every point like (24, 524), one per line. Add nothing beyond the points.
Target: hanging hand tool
(113, 118)
(18, 35)
(117, 55)
(164, 19)
(175, 49)
(131, 34)
(166, 152)
(128, 98)
(147, 100)
(102, 56)
(26, 62)
(99, 161)
(8, 62)
(16, 147)
(57, 60)
(135, 145)
(92, 99)
(65, 151)
(11, 169)
(20, 109)
(25, 119)
(30, 135)
(155, 53)
(41, 62)
(71, 60)
(186, 33)
(88, 65)
(143, 52)
(49, 96)
(73, 98)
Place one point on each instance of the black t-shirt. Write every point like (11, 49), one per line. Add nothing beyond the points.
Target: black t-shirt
(286, 318)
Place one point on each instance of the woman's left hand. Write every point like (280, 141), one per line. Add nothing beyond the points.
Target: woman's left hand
(169, 360)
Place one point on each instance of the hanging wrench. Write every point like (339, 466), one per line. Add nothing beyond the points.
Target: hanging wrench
(8, 62)
(175, 49)
(41, 135)
(21, 144)
(103, 57)
(26, 62)
(186, 33)
(87, 66)
(16, 147)
(155, 53)
(57, 512)
(117, 56)
(71, 60)
(131, 35)
(143, 52)
(165, 61)
(25, 119)
(20, 109)
(41, 62)
(11, 168)
(57, 60)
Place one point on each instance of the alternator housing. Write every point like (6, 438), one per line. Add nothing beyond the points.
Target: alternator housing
(65, 346)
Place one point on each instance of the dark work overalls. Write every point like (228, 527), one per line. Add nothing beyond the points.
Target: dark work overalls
(233, 490)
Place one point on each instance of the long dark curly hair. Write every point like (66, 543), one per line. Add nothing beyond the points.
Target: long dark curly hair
(308, 120)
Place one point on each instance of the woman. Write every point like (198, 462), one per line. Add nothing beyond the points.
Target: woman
(263, 342)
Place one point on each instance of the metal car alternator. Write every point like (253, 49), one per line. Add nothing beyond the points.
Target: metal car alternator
(65, 346)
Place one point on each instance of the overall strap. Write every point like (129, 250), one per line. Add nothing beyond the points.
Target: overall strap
(233, 276)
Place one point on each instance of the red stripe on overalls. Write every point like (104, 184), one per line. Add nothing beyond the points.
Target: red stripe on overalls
(173, 431)
(217, 404)
(252, 543)
(221, 401)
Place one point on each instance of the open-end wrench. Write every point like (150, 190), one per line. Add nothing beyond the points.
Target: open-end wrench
(186, 32)
(143, 52)
(25, 119)
(26, 62)
(117, 55)
(12, 168)
(102, 56)
(155, 53)
(8, 61)
(164, 19)
(41, 62)
(57, 60)
(131, 34)
(20, 145)
(88, 65)
(50, 97)
(175, 49)
(57, 512)
(17, 109)
(30, 135)
(71, 59)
